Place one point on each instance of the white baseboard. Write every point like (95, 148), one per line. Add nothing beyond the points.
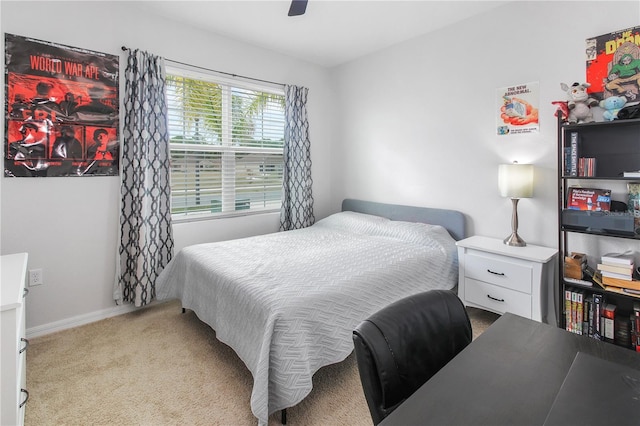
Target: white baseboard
(79, 320)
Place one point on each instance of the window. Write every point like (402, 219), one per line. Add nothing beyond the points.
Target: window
(226, 141)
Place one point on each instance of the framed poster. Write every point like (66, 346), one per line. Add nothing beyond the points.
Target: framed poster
(613, 65)
(518, 109)
(61, 110)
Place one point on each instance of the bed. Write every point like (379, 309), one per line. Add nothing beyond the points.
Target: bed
(287, 302)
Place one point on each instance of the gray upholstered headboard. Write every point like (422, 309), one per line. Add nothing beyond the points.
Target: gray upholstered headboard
(452, 220)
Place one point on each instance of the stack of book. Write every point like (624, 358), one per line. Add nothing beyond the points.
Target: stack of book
(617, 274)
(587, 166)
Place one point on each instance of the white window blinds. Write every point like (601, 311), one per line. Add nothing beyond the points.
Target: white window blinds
(226, 141)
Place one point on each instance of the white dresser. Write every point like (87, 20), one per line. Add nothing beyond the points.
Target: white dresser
(13, 375)
(501, 278)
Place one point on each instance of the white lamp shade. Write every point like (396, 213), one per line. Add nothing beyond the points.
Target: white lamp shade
(515, 180)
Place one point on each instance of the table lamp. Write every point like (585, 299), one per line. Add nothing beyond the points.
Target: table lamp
(515, 181)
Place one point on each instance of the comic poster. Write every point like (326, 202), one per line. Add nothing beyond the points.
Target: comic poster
(518, 109)
(613, 65)
(61, 110)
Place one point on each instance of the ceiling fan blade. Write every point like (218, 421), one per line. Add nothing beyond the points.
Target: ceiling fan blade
(298, 7)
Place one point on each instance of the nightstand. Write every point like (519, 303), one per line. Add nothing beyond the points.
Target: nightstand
(501, 278)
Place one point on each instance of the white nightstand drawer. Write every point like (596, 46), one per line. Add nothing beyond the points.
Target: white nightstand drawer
(500, 270)
(502, 278)
(498, 299)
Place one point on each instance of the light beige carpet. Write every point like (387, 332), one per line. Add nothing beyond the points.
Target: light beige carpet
(158, 366)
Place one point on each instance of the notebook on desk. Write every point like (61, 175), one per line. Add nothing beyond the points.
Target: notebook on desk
(597, 392)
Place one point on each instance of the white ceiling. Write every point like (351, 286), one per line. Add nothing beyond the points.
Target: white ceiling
(330, 33)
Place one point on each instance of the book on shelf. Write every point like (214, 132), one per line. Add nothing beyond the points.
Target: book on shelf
(590, 199)
(619, 269)
(587, 325)
(573, 154)
(608, 316)
(617, 259)
(567, 310)
(579, 318)
(567, 161)
(615, 282)
(625, 291)
(597, 315)
(577, 315)
(622, 331)
(623, 277)
(597, 279)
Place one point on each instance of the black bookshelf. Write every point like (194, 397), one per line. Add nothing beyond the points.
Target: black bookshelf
(615, 145)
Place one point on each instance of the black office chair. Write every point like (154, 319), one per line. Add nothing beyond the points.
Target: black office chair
(401, 346)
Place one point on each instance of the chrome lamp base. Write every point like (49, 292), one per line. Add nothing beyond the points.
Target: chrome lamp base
(514, 239)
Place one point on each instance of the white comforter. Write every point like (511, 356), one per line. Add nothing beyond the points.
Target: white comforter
(287, 302)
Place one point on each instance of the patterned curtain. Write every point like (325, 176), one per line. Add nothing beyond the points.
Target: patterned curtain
(146, 239)
(297, 203)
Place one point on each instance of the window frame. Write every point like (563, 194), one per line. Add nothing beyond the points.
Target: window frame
(228, 198)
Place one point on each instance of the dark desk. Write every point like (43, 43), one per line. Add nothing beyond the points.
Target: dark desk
(510, 375)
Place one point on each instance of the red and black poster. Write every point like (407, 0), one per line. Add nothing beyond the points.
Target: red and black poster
(61, 110)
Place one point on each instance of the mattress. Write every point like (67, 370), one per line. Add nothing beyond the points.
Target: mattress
(287, 302)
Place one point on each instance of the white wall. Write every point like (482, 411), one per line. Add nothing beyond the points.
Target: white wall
(69, 225)
(417, 120)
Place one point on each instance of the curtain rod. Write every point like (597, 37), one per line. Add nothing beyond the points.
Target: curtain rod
(125, 48)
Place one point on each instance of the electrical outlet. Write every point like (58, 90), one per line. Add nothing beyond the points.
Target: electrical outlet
(35, 277)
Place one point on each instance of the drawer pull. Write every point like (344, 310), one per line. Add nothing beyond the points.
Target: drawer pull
(26, 345)
(25, 399)
(25, 292)
(493, 298)
(495, 273)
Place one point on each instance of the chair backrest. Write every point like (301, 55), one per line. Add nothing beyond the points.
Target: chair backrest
(401, 346)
